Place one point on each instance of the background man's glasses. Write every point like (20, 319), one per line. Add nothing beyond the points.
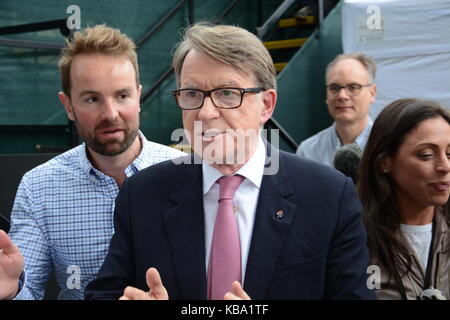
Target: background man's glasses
(352, 89)
(224, 98)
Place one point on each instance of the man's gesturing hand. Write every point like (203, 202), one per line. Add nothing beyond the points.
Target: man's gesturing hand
(237, 293)
(11, 266)
(156, 292)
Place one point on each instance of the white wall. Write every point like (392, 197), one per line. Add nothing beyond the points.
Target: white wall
(409, 39)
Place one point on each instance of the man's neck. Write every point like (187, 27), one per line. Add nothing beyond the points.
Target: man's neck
(348, 132)
(114, 166)
(229, 169)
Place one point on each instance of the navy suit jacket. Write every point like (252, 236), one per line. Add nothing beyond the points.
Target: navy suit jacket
(317, 250)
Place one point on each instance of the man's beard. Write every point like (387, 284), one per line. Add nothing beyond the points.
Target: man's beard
(103, 148)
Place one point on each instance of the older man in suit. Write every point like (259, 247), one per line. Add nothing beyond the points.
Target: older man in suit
(240, 218)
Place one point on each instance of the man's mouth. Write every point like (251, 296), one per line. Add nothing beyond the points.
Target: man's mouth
(110, 132)
(343, 107)
(210, 134)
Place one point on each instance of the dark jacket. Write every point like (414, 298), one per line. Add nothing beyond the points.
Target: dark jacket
(317, 250)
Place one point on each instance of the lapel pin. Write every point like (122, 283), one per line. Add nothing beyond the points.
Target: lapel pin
(280, 214)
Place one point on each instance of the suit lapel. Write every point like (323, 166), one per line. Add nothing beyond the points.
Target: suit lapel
(184, 223)
(269, 231)
(185, 228)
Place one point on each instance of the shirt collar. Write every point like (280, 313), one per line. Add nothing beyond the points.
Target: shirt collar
(136, 165)
(360, 140)
(85, 163)
(253, 170)
(364, 135)
(139, 163)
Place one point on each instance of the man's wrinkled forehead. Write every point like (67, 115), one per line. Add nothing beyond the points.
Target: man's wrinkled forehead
(194, 60)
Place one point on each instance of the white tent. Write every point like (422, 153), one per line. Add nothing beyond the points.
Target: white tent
(410, 41)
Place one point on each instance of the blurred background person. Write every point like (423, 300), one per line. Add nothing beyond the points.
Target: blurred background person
(350, 92)
(404, 187)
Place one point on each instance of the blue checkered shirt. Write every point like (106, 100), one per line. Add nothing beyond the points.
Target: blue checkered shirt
(63, 219)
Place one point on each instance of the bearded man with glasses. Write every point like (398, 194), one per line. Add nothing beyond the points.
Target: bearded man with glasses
(350, 92)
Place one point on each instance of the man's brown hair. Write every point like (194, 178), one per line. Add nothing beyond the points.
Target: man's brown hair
(101, 40)
(231, 45)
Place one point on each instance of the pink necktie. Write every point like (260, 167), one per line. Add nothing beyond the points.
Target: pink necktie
(225, 255)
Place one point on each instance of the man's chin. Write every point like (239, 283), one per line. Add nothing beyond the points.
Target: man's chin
(220, 158)
(344, 117)
(216, 153)
(108, 149)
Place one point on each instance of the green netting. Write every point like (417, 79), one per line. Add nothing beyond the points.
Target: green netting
(29, 79)
(301, 107)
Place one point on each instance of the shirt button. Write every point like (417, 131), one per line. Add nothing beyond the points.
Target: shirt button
(235, 209)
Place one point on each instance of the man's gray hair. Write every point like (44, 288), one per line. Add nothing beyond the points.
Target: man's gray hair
(366, 61)
(231, 45)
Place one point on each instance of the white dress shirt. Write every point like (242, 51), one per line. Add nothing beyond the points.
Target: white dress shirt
(245, 201)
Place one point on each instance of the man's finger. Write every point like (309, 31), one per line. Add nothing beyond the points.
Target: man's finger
(155, 284)
(238, 292)
(231, 296)
(6, 244)
(131, 293)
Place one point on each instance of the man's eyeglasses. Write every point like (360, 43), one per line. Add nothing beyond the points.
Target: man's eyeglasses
(224, 98)
(352, 89)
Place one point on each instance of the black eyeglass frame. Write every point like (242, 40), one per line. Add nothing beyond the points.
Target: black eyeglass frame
(207, 93)
(360, 86)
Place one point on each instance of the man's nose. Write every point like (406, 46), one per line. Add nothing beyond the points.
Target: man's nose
(109, 110)
(343, 94)
(208, 110)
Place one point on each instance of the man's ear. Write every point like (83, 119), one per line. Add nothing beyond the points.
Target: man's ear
(269, 100)
(65, 100)
(139, 92)
(373, 92)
